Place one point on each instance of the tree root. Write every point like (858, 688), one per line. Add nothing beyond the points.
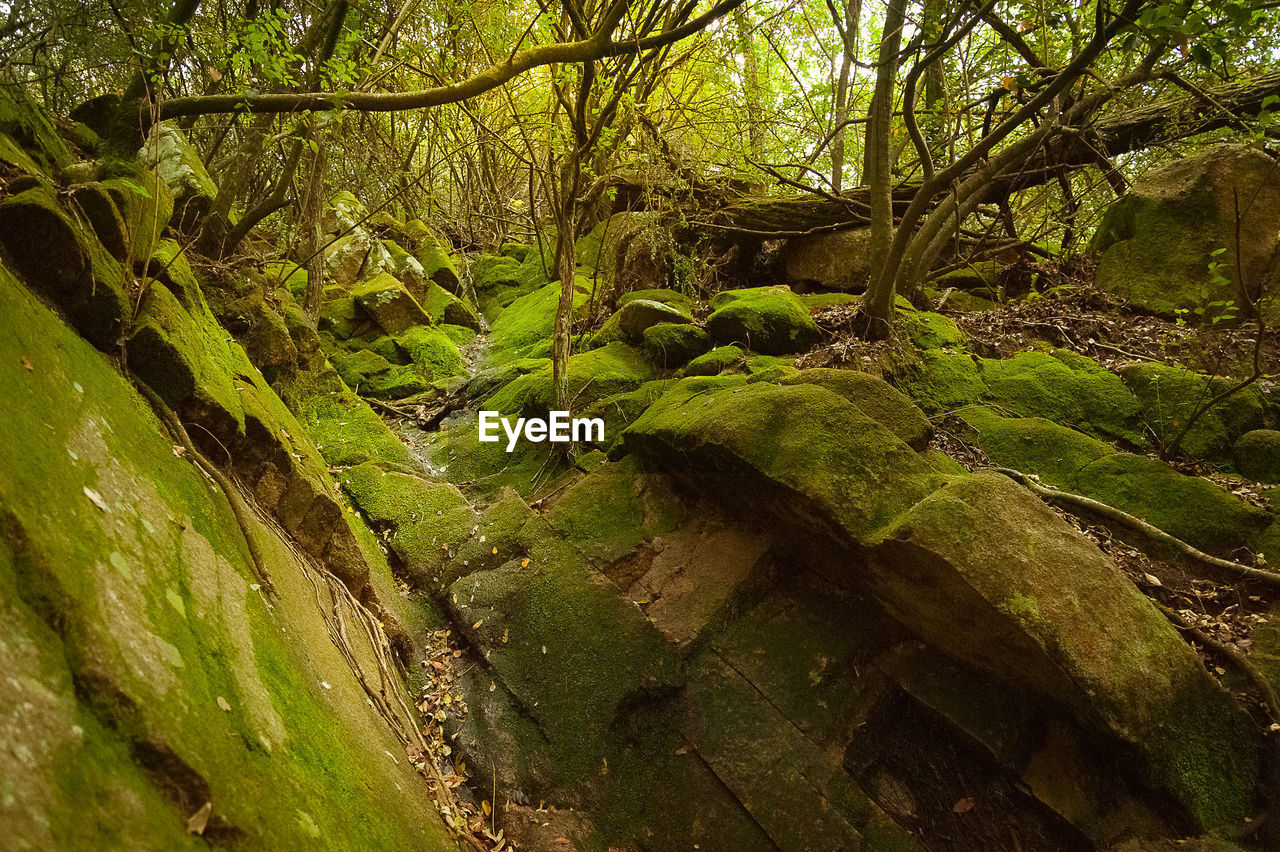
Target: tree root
(237, 501)
(1079, 501)
(1231, 653)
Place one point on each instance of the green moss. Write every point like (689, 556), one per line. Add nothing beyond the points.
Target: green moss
(770, 368)
(874, 397)
(1170, 395)
(345, 429)
(591, 376)
(929, 331)
(1067, 388)
(800, 450)
(716, 361)
(31, 128)
(483, 469)
(426, 522)
(444, 307)
(769, 320)
(674, 298)
(523, 328)
(432, 353)
(1257, 455)
(944, 381)
(156, 622)
(1188, 507)
(619, 410)
(821, 301)
(356, 368)
(672, 345)
(386, 301)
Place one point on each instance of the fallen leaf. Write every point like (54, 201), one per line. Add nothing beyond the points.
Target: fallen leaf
(179, 450)
(96, 499)
(27, 364)
(495, 551)
(199, 820)
(476, 626)
(222, 703)
(964, 805)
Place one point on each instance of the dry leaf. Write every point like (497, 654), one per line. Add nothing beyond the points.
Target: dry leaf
(222, 702)
(199, 820)
(96, 499)
(476, 626)
(27, 364)
(964, 805)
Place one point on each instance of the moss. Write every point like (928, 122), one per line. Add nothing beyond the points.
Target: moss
(944, 381)
(1188, 507)
(874, 397)
(716, 361)
(1067, 388)
(31, 128)
(800, 450)
(483, 469)
(672, 345)
(665, 295)
(345, 429)
(11, 153)
(444, 307)
(425, 522)
(610, 511)
(591, 376)
(982, 273)
(156, 620)
(1170, 395)
(386, 301)
(357, 367)
(523, 328)
(146, 205)
(1016, 592)
(821, 301)
(437, 263)
(458, 334)
(631, 320)
(619, 410)
(769, 320)
(64, 261)
(1257, 455)
(432, 353)
(928, 330)
(770, 368)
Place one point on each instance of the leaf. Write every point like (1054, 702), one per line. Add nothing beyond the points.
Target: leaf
(96, 499)
(27, 365)
(199, 820)
(476, 626)
(222, 703)
(964, 805)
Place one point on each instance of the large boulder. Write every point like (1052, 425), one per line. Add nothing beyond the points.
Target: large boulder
(386, 301)
(838, 261)
(1156, 243)
(1171, 395)
(985, 571)
(179, 165)
(769, 320)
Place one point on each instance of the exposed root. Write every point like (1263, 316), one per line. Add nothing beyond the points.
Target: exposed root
(1079, 501)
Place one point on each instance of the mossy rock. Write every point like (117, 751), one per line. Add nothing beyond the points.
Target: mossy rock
(33, 131)
(944, 381)
(386, 301)
(491, 272)
(146, 205)
(821, 301)
(98, 507)
(592, 375)
(983, 569)
(671, 345)
(482, 469)
(444, 307)
(770, 368)
(432, 353)
(342, 213)
(769, 320)
(1169, 396)
(345, 429)
(425, 521)
(1068, 389)
(619, 410)
(437, 264)
(1187, 507)
(523, 328)
(672, 298)
(630, 321)
(341, 317)
(1257, 455)
(971, 276)
(716, 361)
(613, 509)
(63, 261)
(1155, 244)
(180, 167)
(514, 250)
(356, 368)
(930, 331)
(876, 398)
(801, 452)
